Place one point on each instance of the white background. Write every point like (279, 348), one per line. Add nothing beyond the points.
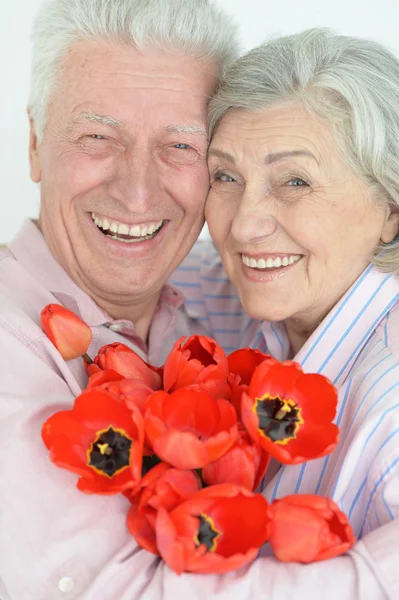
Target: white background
(257, 19)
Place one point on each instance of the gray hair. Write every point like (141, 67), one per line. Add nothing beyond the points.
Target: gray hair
(195, 27)
(352, 83)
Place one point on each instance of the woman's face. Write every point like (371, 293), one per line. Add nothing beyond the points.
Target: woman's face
(294, 225)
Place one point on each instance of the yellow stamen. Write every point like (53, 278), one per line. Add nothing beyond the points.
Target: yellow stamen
(280, 414)
(105, 449)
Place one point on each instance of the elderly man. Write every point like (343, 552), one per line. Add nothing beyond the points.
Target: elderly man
(118, 143)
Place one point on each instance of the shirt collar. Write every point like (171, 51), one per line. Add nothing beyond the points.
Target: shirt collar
(30, 249)
(334, 346)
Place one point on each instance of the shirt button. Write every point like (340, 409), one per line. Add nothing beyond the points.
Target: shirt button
(116, 328)
(66, 584)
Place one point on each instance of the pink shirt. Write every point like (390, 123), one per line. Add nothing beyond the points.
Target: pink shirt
(56, 542)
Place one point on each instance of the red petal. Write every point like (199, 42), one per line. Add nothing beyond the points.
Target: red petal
(179, 371)
(243, 362)
(142, 531)
(250, 419)
(135, 393)
(69, 334)
(63, 424)
(295, 533)
(317, 398)
(217, 445)
(236, 466)
(182, 450)
(70, 456)
(275, 379)
(187, 409)
(169, 547)
(100, 377)
(312, 442)
(101, 484)
(97, 409)
(227, 416)
(128, 363)
(243, 522)
(214, 563)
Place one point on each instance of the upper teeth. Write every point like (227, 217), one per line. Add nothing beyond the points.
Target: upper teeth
(279, 261)
(124, 229)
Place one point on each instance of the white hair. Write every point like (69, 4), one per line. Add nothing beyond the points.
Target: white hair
(352, 83)
(195, 27)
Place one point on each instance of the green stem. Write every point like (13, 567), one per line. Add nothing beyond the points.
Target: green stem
(87, 358)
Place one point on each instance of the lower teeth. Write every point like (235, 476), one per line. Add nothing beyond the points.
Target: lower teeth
(132, 240)
(129, 240)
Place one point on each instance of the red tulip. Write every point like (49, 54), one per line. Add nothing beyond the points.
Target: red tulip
(126, 362)
(306, 528)
(163, 486)
(69, 334)
(107, 380)
(289, 412)
(197, 360)
(243, 464)
(100, 439)
(216, 530)
(243, 363)
(189, 428)
(133, 392)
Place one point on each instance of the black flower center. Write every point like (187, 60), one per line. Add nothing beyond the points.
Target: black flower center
(207, 533)
(149, 462)
(279, 418)
(109, 454)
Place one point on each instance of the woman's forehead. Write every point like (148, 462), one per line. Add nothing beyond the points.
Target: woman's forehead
(282, 131)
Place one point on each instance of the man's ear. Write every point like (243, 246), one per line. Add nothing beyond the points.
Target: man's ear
(34, 155)
(391, 226)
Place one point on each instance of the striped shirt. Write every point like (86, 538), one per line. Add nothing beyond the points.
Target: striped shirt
(357, 348)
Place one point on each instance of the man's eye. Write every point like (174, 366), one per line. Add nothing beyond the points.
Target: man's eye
(95, 136)
(296, 182)
(181, 146)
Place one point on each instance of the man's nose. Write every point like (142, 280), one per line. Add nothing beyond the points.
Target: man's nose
(253, 221)
(135, 182)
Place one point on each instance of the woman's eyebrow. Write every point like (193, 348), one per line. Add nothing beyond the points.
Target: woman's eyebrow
(221, 154)
(269, 158)
(276, 156)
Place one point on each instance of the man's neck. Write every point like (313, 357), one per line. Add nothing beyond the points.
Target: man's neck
(140, 314)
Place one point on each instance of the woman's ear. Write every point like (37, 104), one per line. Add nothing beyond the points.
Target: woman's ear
(34, 155)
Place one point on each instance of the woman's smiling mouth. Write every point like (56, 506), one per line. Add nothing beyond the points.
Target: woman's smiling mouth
(268, 262)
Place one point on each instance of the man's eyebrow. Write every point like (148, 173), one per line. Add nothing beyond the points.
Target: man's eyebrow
(96, 118)
(186, 129)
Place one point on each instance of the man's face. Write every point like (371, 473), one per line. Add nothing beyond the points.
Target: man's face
(123, 167)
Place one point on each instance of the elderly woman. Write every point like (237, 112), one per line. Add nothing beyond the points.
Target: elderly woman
(304, 211)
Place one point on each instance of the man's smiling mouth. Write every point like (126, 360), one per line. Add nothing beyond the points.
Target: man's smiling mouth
(127, 233)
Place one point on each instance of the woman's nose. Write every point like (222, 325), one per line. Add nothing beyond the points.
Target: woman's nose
(253, 223)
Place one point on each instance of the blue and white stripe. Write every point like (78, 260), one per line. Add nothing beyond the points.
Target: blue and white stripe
(357, 348)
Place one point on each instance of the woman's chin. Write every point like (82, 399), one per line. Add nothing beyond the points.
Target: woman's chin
(257, 309)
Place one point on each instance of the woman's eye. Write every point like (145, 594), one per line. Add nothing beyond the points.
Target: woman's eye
(95, 136)
(181, 146)
(223, 177)
(296, 182)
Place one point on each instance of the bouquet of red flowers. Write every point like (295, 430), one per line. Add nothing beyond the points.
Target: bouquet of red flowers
(188, 444)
